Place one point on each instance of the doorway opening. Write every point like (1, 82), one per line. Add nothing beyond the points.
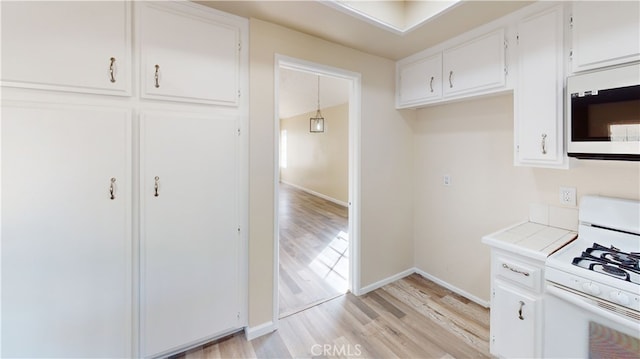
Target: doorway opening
(316, 185)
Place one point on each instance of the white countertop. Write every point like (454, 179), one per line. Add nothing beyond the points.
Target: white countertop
(530, 239)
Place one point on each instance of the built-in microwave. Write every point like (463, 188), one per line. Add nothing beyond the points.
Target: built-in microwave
(603, 112)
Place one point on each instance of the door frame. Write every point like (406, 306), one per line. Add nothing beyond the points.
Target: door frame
(355, 89)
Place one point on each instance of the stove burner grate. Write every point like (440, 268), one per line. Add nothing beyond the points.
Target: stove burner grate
(611, 262)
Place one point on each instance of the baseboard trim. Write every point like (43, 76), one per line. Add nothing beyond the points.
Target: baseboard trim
(260, 330)
(452, 288)
(383, 282)
(317, 194)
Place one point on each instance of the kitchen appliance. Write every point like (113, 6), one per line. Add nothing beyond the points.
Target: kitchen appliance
(592, 293)
(603, 112)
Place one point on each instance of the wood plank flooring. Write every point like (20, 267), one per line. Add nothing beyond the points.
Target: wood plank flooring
(314, 254)
(410, 318)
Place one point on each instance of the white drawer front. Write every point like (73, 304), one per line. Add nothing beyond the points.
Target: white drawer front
(518, 272)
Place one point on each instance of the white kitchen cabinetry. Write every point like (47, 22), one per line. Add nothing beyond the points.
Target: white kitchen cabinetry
(518, 254)
(94, 264)
(514, 332)
(604, 33)
(538, 94)
(190, 240)
(515, 303)
(188, 53)
(78, 46)
(66, 231)
(476, 65)
(420, 80)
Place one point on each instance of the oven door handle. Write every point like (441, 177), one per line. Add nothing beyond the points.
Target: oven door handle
(583, 302)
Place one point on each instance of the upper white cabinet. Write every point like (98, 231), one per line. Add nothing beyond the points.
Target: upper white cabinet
(420, 80)
(475, 65)
(188, 53)
(472, 68)
(604, 33)
(78, 46)
(538, 110)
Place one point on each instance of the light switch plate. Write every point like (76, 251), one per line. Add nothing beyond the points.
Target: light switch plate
(568, 196)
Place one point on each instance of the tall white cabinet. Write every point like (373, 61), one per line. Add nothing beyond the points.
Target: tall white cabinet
(189, 229)
(123, 204)
(66, 231)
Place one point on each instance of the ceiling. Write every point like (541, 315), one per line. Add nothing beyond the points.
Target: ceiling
(353, 24)
(329, 21)
(298, 92)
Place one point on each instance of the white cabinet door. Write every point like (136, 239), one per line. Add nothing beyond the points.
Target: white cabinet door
(79, 46)
(605, 33)
(539, 91)
(189, 230)
(476, 65)
(188, 53)
(513, 322)
(66, 243)
(420, 81)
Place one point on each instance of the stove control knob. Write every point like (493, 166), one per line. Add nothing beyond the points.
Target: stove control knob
(591, 288)
(619, 298)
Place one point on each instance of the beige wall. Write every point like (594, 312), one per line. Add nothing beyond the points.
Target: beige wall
(318, 161)
(386, 161)
(472, 141)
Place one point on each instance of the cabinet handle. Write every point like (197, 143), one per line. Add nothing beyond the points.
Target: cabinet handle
(156, 76)
(431, 84)
(155, 186)
(450, 82)
(520, 311)
(504, 265)
(112, 189)
(111, 69)
(544, 143)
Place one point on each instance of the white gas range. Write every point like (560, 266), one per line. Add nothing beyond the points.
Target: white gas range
(592, 296)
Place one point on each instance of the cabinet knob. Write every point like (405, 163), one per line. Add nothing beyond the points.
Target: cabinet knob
(112, 75)
(156, 76)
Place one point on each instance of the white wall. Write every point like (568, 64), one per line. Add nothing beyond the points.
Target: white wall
(318, 162)
(472, 141)
(386, 161)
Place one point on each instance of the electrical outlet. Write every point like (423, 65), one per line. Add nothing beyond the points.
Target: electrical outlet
(446, 180)
(568, 196)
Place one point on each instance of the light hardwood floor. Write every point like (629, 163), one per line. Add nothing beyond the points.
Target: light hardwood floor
(410, 318)
(313, 250)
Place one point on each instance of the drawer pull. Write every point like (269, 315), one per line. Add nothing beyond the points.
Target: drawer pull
(520, 311)
(111, 189)
(504, 265)
(155, 186)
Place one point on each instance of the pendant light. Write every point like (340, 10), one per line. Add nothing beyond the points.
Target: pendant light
(316, 124)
